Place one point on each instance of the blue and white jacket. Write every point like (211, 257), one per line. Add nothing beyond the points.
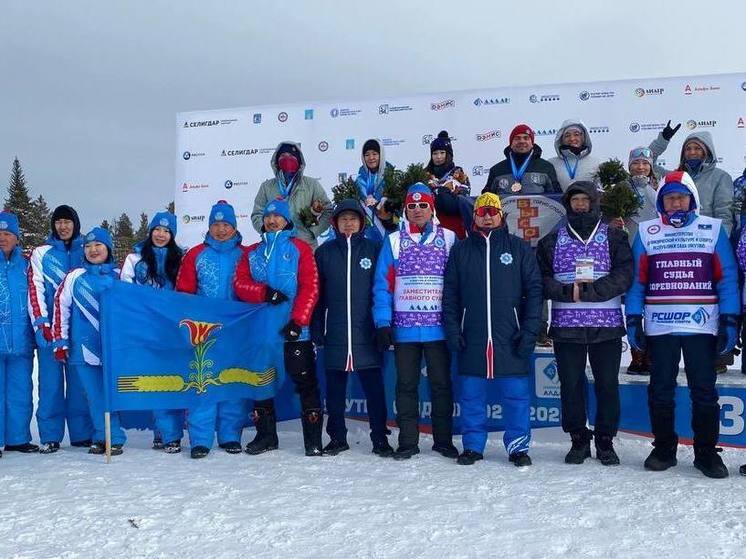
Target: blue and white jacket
(135, 270)
(16, 334)
(49, 264)
(77, 312)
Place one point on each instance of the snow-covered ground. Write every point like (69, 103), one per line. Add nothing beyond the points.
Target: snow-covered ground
(283, 504)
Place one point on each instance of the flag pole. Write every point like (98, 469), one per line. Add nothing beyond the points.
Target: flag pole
(107, 427)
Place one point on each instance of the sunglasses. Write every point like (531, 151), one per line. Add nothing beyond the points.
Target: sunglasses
(418, 205)
(641, 153)
(491, 211)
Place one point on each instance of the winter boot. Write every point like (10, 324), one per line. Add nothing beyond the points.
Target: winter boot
(520, 459)
(99, 447)
(26, 448)
(157, 443)
(468, 457)
(335, 447)
(405, 452)
(706, 427)
(381, 447)
(640, 364)
(266, 431)
(174, 447)
(116, 449)
(605, 450)
(232, 447)
(49, 448)
(581, 447)
(666, 440)
(742, 470)
(708, 461)
(447, 449)
(199, 452)
(86, 443)
(312, 421)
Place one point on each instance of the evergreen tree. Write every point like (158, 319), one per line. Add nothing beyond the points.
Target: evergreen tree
(19, 202)
(124, 237)
(171, 207)
(142, 230)
(105, 225)
(39, 228)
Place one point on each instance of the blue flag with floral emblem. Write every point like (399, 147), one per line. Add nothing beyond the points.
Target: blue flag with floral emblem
(168, 350)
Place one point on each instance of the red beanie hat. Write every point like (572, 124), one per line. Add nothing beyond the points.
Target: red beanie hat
(522, 129)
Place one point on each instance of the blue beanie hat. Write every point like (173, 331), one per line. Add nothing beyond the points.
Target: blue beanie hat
(223, 211)
(100, 235)
(163, 219)
(278, 207)
(9, 223)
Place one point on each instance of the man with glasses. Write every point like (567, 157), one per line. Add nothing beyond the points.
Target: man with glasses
(587, 266)
(492, 310)
(407, 296)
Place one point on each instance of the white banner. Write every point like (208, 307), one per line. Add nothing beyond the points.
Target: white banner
(225, 154)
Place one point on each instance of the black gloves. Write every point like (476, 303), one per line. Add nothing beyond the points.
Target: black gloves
(727, 333)
(668, 132)
(291, 331)
(525, 342)
(384, 338)
(274, 296)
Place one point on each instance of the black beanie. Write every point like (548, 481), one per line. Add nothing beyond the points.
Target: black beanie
(66, 212)
(372, 145)
(442, 142)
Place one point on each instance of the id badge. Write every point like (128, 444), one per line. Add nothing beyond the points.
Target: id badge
(584, 269)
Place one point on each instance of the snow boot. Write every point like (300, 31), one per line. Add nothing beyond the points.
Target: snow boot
(708, 461)
(99, 447)
(174, 447)
(312, 421)
(520, 459)
(666, 440)
(157, 443)
(406, 452)
(232, 447)
(49, 448)
(266, 431)
(742, 470)
(86, 443)
(706, 427)
(468, 457)
(605, 452)
(335, 447)
(447, 450)
(663, 456)
(640, 364)
(26, 448)
(199, 452)
(382, 448)
(581, 447)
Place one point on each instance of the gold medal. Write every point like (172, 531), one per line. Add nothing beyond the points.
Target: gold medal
(516, 187)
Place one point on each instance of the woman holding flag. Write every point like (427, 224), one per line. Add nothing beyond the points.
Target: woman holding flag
(155, 262)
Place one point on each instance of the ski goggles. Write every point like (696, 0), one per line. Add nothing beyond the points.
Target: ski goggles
(418, 206)
(491, 211)
(640, 153)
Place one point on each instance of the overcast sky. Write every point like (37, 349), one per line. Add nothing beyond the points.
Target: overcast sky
(90, 89)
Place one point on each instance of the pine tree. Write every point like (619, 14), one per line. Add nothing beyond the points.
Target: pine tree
(38, 230)
(142, 230)
(171, 207)
(19, 202)
(124, 237)
(105, 225)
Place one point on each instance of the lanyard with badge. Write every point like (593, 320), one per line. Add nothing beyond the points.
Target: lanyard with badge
(571, 172)
(584, 265)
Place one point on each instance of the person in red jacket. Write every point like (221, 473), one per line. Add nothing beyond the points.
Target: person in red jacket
(281, 270)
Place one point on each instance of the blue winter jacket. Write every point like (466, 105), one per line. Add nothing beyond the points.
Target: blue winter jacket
(16, 333)
(77, 312)
(135, 270)
(49, 264)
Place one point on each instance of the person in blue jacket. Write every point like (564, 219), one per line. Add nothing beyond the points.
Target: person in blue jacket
(60, 391)
(155, 262)
(343, 325)
(407, 311)
(379, 216)
(16, 343)
(77, 338)
(207, 270)
(492, 300)
(683, 300)
(280, 270)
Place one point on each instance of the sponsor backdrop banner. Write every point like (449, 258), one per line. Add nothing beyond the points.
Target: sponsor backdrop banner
(225, 154)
